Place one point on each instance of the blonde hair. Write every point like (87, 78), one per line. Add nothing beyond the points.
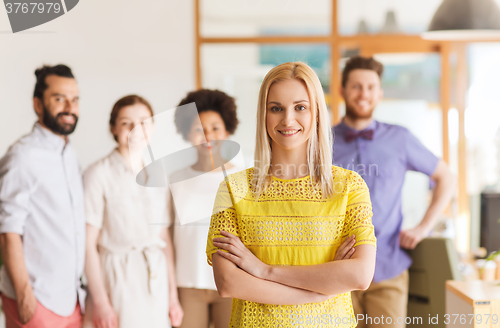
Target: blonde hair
(319, 147)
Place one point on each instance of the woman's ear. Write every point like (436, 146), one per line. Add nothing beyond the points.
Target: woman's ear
(112, 129)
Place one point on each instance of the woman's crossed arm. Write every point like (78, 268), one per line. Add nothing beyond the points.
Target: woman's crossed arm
(354, 272)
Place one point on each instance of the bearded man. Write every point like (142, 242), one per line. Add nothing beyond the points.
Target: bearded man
(42, 223)
(382, 153)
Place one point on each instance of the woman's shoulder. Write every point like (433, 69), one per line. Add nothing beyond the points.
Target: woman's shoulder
(349, 178)
(240, 176)
(341, 173)
(239, 183)
(99, 167)
(182, 174)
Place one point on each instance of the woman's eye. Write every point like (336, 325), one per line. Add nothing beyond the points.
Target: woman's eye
(300, 107)
(275, 109)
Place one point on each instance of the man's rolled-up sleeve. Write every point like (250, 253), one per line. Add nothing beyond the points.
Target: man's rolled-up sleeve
(14, 195)
(418, 157)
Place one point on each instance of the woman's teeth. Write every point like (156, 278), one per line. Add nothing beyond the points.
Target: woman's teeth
(289, 132)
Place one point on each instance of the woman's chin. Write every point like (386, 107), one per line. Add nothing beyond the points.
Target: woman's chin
(291, 145)
(203, 148)
(136, 146)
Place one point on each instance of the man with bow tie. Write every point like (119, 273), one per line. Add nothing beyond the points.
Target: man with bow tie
(382, 153)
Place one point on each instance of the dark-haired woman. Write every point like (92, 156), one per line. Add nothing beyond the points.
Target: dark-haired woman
(193, 198)
(129, 256)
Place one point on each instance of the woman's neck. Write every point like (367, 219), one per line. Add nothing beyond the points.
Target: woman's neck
(204, 162)
(132, 159)
(289, 163)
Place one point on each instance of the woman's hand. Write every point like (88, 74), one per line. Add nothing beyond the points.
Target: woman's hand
(104, 316)
(240, 255)
(175, 313)
(345, 251)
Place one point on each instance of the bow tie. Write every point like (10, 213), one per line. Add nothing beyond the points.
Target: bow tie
(353, 135)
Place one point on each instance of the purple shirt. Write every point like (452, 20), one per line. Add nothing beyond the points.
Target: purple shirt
(383, 162)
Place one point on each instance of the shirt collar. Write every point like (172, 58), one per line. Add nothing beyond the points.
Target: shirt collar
(373, 126)
(49, 138)
(118, 161)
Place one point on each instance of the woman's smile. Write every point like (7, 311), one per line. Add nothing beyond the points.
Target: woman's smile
(289, 133)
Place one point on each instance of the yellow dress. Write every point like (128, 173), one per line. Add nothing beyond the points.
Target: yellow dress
(290, 224)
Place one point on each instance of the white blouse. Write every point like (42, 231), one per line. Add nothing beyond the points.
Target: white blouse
(130, 216)
(194, 195)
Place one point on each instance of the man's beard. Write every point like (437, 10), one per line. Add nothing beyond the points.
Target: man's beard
(52, 123)
(353, 114)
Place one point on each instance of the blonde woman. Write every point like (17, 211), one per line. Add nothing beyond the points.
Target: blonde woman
(129, 256)
(292, 237)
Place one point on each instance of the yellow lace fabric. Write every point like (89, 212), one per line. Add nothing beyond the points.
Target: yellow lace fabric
(291, 224)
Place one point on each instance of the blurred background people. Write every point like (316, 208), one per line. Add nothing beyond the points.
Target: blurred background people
(198, 294)
(42, 222)
(129, 263)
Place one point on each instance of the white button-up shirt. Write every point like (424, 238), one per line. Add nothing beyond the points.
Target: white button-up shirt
(41, 199)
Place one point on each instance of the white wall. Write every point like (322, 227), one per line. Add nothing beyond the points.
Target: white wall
(115, 47)
(249, 18)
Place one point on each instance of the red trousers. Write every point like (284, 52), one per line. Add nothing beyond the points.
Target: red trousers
(43, 318)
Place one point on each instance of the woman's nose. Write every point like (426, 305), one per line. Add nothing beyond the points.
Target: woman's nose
(136, 128)
(288, 117)
(209, 135)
